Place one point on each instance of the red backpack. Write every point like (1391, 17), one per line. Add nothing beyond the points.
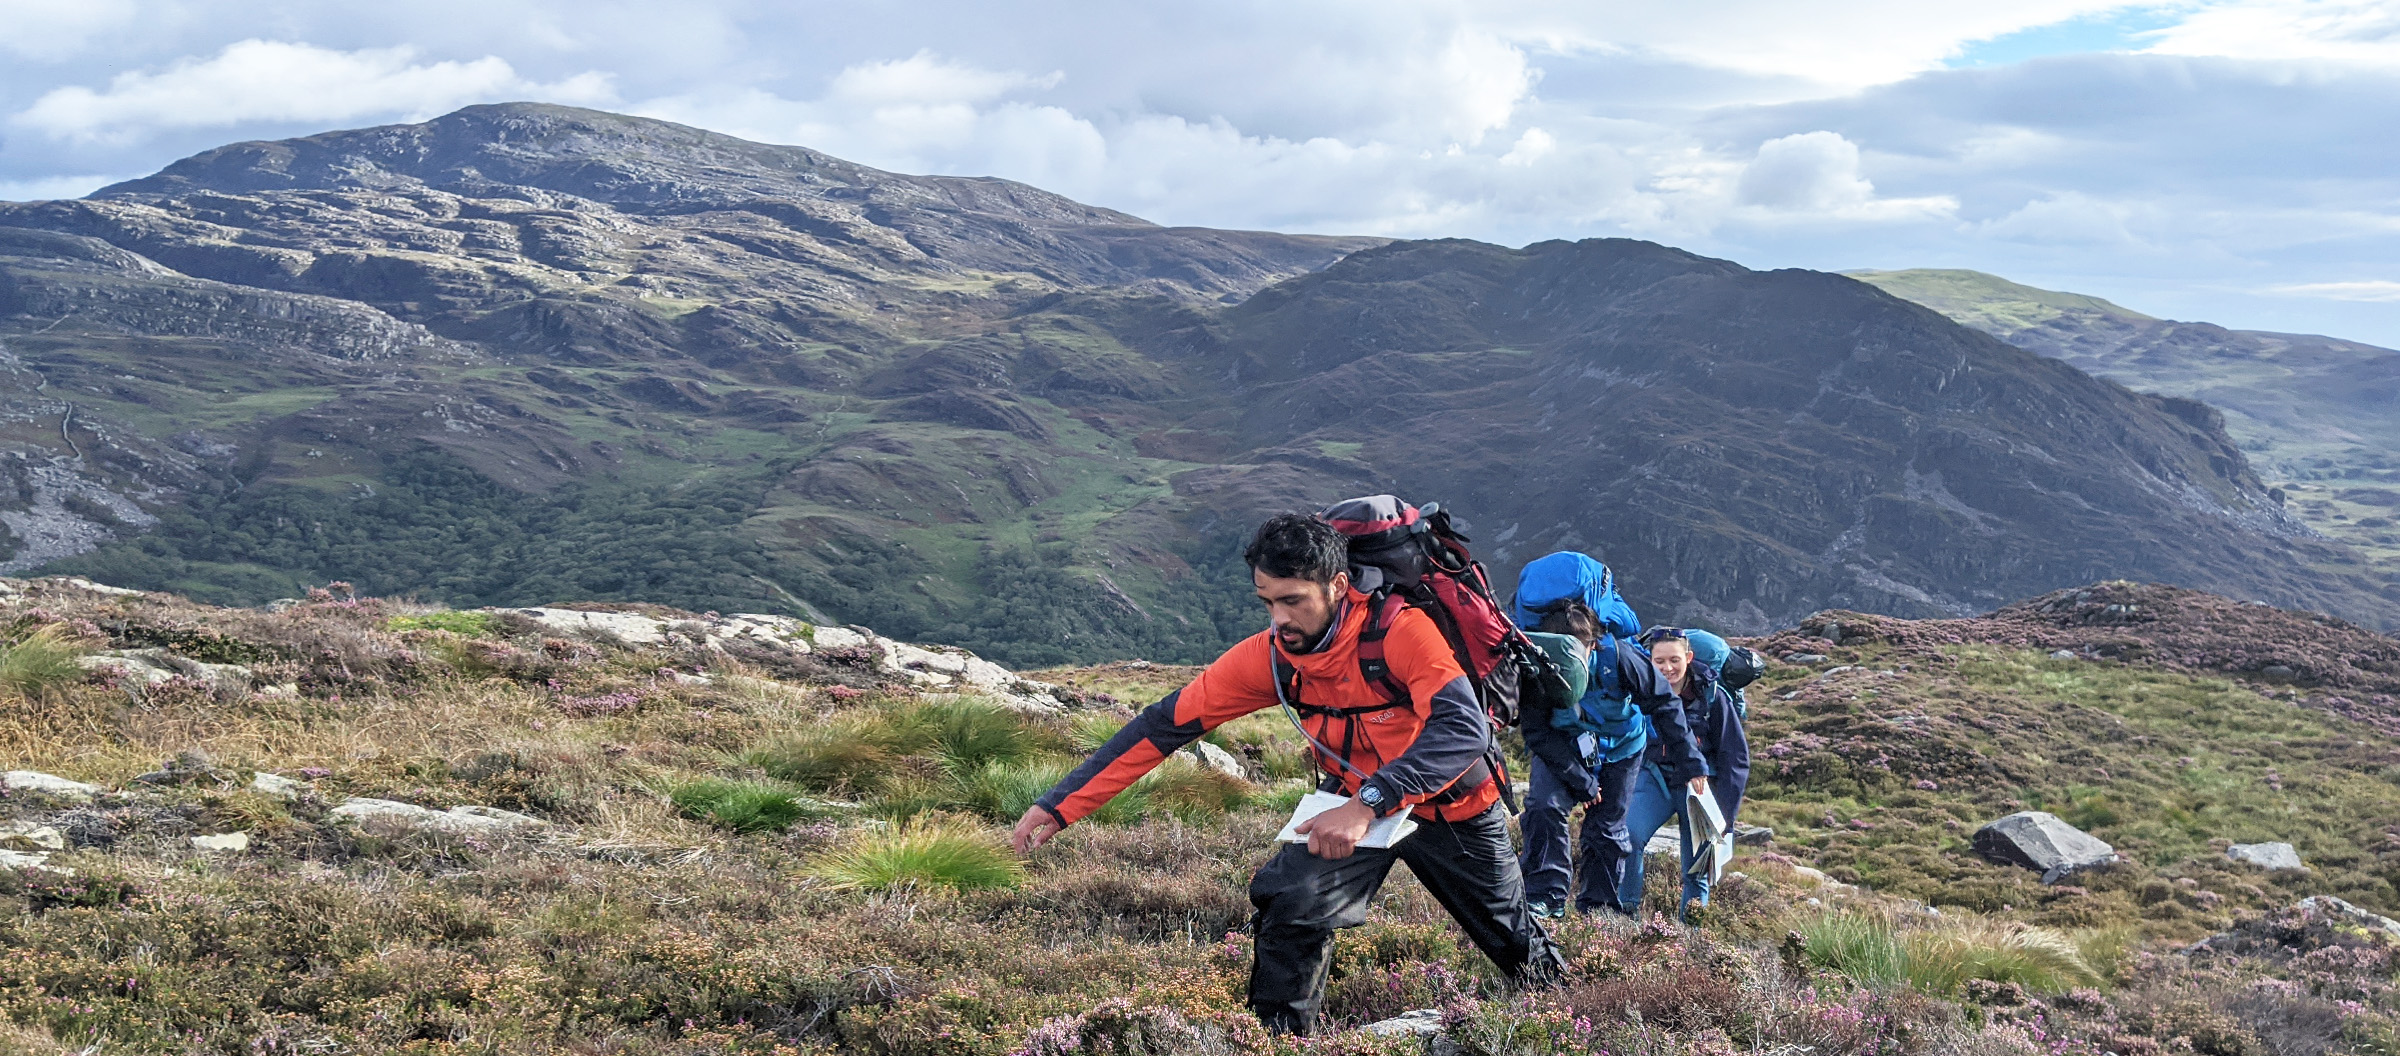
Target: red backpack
(1400, 551)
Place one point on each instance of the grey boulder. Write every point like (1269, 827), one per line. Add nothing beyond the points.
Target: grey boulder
(2039, 841)
(2270, 856)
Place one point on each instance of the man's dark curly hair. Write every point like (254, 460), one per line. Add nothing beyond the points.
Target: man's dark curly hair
(1298, 546)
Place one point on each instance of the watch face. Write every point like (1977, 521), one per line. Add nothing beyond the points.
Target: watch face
(1371, 796)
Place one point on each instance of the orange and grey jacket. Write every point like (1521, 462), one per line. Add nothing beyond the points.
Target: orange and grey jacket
(1425, 753)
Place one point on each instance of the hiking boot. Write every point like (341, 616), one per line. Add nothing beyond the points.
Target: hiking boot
(1549, 910)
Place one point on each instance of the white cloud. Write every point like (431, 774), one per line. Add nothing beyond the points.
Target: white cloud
(262, 80)
(925, 79)
(1817, 174)
(1848, 43)
(54, 29)
(2362, 32)
(2373, 290)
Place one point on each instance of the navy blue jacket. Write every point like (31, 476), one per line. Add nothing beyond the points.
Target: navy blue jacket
(1716, 725)
(1672, 744)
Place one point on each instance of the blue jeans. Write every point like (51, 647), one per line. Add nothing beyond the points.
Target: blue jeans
(1653, 803)
(1548, 868)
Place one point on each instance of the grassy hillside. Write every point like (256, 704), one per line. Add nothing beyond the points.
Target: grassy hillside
(752, 849)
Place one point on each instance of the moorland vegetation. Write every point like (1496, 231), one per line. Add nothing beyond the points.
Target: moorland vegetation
(798, 852)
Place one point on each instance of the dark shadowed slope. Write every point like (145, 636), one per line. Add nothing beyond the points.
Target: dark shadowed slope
(1746, 446)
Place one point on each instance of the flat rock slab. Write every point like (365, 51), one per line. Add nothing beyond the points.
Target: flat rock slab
(1424, 1022)
(37, 860)
(224, 842)
(465, 820)
(33, 834)
(51, 785)
(940, 668)
(2273, 856)
(2038, 840)
(277, 785)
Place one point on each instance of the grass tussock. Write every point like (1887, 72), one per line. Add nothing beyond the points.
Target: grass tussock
(42, 663)
(929, 851)
(1940, 957)
(741, 806)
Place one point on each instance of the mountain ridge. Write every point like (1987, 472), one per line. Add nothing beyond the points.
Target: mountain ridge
(1037, 433)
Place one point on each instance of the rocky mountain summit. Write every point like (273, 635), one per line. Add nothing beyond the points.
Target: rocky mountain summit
(522, 353)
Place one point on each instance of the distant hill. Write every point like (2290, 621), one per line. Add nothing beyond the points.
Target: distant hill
(2318, 416)
(523, 353)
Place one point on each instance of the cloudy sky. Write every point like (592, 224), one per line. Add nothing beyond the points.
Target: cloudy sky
(2236, 161)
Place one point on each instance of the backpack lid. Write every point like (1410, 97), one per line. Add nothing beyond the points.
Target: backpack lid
(1373, 522)
(1552, 578)
(1707, 648)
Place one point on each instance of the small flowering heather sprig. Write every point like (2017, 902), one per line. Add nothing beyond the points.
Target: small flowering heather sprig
(590, 707)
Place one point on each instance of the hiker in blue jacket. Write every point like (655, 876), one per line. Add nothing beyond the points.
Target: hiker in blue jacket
(1716, 724)
(1591, 752)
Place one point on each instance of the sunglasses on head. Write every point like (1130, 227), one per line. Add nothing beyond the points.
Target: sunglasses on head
(1655, 635)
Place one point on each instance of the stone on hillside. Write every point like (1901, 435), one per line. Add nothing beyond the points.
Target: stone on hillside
(462, 820)
(1421, 1023)
(227, 842)
(37, 860)
(1753, 835)
(936, 668)
(2271, 856)
(2327, 906)
(51, 785)
(277, 785)
(2040, 841)
(33, 834)
(144, 668)
(1218, 759)
(1664, 841)
(2062, 654)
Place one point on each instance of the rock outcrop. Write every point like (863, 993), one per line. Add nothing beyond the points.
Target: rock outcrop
(2041, 842)
(2268, 856)
(945, 668)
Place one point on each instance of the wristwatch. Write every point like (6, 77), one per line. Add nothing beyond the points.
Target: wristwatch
(1372, 796)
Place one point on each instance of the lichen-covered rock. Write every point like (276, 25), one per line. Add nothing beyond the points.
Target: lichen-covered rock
(2270, 856)
(937, 668)
(1218, 759)
(37, 860)
(2040, 841)
(223, 843)
(466, 820)
(33, 834)
(51, 785)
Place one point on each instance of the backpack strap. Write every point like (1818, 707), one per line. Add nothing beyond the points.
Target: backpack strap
(1612, 682)
(1371, 665)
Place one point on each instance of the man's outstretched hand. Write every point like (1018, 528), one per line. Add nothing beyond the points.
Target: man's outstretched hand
(1335, 833)
(1034, 829)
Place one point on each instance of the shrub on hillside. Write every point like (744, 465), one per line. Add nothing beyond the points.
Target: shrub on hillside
(470, 624)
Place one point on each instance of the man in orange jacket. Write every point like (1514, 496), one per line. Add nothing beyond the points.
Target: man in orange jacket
(1397, 732)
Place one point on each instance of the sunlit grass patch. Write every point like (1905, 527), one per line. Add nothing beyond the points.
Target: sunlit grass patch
(41, 664)
(1940, 957)
(929, 851)
(742, 806)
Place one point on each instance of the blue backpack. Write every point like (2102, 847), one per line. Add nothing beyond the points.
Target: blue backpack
(1606, 711)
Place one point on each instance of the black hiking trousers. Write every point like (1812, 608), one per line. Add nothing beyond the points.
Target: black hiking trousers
(1470, 867)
